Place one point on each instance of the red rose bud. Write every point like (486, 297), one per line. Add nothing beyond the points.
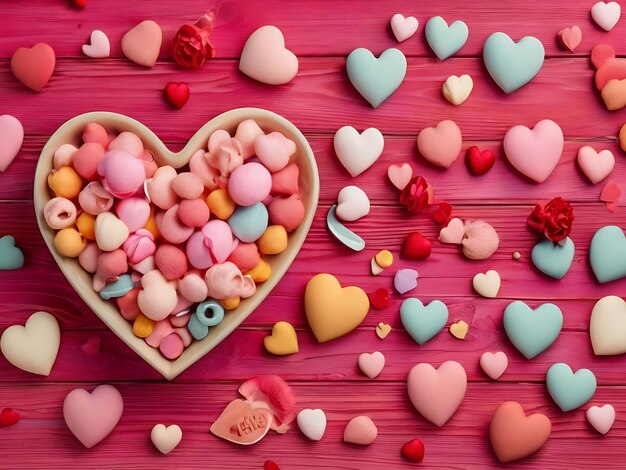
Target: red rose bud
(554, 220)
(416, 196)
(191, 47)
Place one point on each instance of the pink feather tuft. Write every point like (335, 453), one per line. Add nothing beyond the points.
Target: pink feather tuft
(274, 391)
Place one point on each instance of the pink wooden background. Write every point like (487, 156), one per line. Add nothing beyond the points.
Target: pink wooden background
(319, 101)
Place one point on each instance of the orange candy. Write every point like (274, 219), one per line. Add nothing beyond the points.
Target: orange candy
(68, 242)
(65, 182)
(230, 304)
(143, 326)
(220, 204)
(86, 225)
(261, 272)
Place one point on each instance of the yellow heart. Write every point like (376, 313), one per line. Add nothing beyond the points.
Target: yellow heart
(457, 89)
(384, 259)
(333, 311)
(459, 329)
(382, 330)
(283, 340)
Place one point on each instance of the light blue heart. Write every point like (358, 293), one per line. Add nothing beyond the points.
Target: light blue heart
(570, 390)
(512, 65)
(376, 79)
(553, 259)
(249, 223)
(532, 331)
(421, 321)
(11, 257)
(445, 40)
(607, 254)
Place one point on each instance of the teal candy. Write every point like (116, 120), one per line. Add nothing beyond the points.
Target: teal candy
(553, 259)
(421, 321)
(570, 390)
(121, 287)
(376, 79)
(532, 331)
(445, 40)
(196, 328)
(249, 223)
(11, 256)
(342, 233)
(210, 313)
(512, 65)
(607, 254)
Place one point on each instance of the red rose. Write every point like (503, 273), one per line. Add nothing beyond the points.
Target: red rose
(416, 195)
(191, 47)
(554, 219)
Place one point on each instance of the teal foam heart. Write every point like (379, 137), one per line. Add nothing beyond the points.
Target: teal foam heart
(532, 331)
(607, 254)
(553, 259)
(11, 257)
(512, 65)
(445, 40)
(421, 321)
(376, 79)
(570, 390)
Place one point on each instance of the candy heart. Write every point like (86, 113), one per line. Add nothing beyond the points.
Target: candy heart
(512, 65)
(553, 259)
(177, 94)
(376, 78)
(375, 268)
(453, 232)
(606, 15)
(457, 89)
(312, 423)
(12, 137)
(254, 417)
(570, 390)
(607, 254)
(274, 150)
(34, 346)
(360, 430)
(494, 364)
(266, 59)
(403, 28)
(614, 94)
(357, 152)
(534, 153)
(611, 69)
(607, 326)
(595, 165)
(372, 364)
(532, 331)
(479, 162)
(487, 284)
(611, 193)
(9, 417)
(11, 257)
(440, 145)
(99, 46)
(459, 329)
(166, 438)
(405, 280)
(442, 214)
(110, 231)
(92, 416)
(436, 394)
(601, 54)
(400, 175)
(382, 330)
(33, 67)
(514, 435)
(352, 203)
(601, 418)
(142, 44)
(413, 450)
(415, 246)
(379, 298)
(333, 311)
(421, 321)
(283, 340)
(571, 37)
(445, 40)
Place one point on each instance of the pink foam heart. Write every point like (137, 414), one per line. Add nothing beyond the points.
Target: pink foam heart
(571, 37)
(274, 150)
(11, 136)
(372, 364)
(440, 145)
(266, 59)
(534, 152)
(601, 418)
(400, 175)
(92, 416)
(99, 47)
(437, 393)
(403, 28)
(606, 15)
(142, 44)
(595, 165)
(453, 232)
(494, 364)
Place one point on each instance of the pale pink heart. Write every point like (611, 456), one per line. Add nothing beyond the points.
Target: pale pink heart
(595, 165)
(606, 15)
(571, 37)
(12, 137)
(494, 364)
(437, 393)
(440, 145)
(534, 153)
(92, 416)
(400, 175)
(601, 418)
(403, 28)
(274, 150)
(266, 59)
(372, 364)
(142, 44)
(453, 232)
(99, 46)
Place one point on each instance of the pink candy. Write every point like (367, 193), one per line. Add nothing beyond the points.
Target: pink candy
(122, 173)
(249, 184)
(139, 246)
(212, 244)
(193, 212)
(274, 150)
(187, 186)
(225, 281)
(157, 297)
(171, 228)
(159, 188)
(86, 159)
(134, 212)
(287, 212)
(171, 261)
(59, 213)
(94, 199)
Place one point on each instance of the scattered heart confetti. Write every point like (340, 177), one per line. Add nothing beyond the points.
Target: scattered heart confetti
(379, 299)
(92, 346)
(382, 330)
(9, 417)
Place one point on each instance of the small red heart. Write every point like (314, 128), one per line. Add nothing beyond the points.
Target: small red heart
(600, 54)
(413, 450)
(479, 162)
(8, 417)
(92, 346)
(379, 299)
(443, 213)
(177, 94)
(416, 246)
(80, 3)
(611, 192)
(270, 465)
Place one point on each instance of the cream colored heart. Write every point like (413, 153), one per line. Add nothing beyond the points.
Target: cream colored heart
(457, 89)
(32, 347)
(357, 152)
(487, 284)
(266, 59)
(166, 438)
(607, 326)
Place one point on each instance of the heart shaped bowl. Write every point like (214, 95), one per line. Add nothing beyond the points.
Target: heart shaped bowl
(81, 281)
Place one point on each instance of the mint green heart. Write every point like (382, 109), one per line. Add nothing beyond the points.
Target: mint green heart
(532, 331)
(570, 390)
(512, 65)
(607, 254)
(445, 40)
(421, 321)
(376, 79)
(553, 259)
(11, 256)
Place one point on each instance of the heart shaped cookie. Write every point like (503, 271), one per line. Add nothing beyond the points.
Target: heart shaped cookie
(142, 44)
(570, 389)
(595, 165)
(357, 152)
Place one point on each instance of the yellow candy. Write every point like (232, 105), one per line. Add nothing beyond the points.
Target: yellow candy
(230, 304)
(68, 242)
(384, 259)
(86, 224)
(220, 204)
(143, 326)
(151, 225)
(283, 340)
(65, 182)
(261, 272)
(274, 240)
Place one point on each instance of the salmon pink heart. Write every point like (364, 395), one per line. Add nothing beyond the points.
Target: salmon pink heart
(177, 94)
(479, 162)
(33, 67)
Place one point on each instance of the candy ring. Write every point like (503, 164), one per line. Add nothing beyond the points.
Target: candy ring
(59, 213)
(210, 313)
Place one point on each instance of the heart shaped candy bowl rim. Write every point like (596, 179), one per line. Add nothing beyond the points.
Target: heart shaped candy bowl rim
(81, 280)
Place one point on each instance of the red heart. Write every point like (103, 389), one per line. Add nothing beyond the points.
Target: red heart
(443, 213)
(413, 450)
(8, 417)
(416, 246)
(80, 3)
(33, 67)
(611, 192)
(177, 94)
(600, 54)
(479, 162)
(270, 465)
(379, 299)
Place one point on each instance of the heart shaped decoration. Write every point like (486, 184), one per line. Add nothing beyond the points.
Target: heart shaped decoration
(142, 44)
(357, 152)
(312, 423)
(99, 46)
(601, 418)
(283, 340)
(569, 389)
(606, 15)
(595, 165)
(614, 94)
(243, 422)
(372, 364)
(457, 89)
(553, 259)
(177, 94)
(403, 28)
(71, 132)
(166, 438)
(33, 67)
(607, 254)
(487, 284)
(494, 364)
(400, 175)
(479, 162)
(352, 204)
(421, 321)
(440, 145)
(571, 37)
(12, 137)
(607, 326)
(266, 59)
(445, 40)
(532, 331)
(11, 257)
